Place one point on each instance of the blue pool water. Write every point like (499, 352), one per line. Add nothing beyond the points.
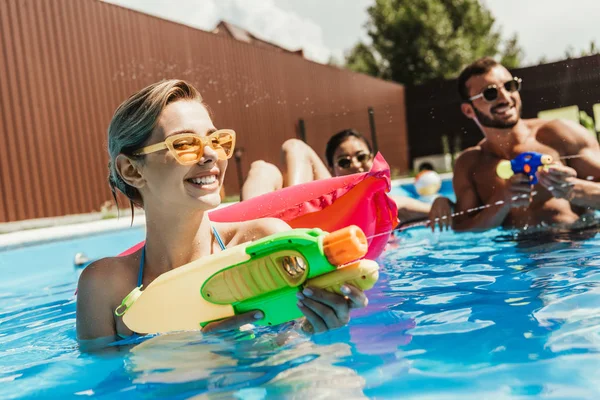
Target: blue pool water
(408, 189)
(453, 316)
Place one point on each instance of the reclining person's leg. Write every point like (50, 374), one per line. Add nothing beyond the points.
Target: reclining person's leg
(263, 177)
(301, 163)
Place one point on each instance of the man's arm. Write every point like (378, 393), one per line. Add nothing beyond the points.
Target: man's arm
(578, 181)
(586, 192)
(516, 193)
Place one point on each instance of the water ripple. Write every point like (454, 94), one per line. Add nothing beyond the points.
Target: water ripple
(452, 316)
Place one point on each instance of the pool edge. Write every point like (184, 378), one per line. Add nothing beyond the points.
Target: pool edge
(70, 230)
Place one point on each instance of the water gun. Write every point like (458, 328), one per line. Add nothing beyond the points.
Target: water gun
(527, 163)
(262, 275)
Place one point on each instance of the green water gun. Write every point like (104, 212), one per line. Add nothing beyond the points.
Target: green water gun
(262, 275)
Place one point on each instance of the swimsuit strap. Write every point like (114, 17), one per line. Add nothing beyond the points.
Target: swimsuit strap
(216, 235)
(218, 238)
(127, 339)
(141, 273)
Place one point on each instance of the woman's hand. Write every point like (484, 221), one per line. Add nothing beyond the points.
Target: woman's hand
(441, 209)
(324, 310)
(234, 322)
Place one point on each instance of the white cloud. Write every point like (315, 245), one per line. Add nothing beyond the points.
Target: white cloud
(548, 27)
(202, 14)
(285, 28)
(321, 28)
(263, 18)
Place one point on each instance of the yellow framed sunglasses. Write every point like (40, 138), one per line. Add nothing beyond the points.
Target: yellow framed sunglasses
(188, 148)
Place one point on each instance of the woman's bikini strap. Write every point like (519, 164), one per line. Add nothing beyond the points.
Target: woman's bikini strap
(141, 273)
(218, 238)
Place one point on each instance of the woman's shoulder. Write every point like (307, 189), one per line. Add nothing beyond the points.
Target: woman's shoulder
(102, 285)
(105, 276)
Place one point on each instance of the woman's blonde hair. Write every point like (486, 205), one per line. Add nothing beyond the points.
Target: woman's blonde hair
(132, 125)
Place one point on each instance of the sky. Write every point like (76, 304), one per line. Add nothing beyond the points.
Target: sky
(325, 28)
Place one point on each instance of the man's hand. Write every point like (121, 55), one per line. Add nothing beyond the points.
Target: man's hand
(518, 191)
(441, 214)
(559, 180)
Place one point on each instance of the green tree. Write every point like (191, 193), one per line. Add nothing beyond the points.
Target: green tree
(362, 59)
(593, 49)
(513, 53)
(570, 52)
(414, 41)
(543, 60)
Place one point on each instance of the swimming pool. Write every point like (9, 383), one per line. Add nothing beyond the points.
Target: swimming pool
(453, 315)
(405, 187)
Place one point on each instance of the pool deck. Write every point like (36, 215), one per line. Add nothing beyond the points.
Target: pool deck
(63, 231)
(37, 231)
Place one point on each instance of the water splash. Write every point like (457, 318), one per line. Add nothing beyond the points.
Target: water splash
(428, 222)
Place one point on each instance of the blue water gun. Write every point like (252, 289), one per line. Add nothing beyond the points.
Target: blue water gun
(527, 163)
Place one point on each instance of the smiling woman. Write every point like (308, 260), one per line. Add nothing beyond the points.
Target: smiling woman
(167, 156)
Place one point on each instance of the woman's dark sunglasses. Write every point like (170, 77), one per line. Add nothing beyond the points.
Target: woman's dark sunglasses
(346, 162)
(490, 93)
